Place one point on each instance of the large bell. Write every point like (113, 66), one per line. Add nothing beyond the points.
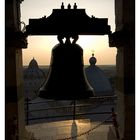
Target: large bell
(66, 78)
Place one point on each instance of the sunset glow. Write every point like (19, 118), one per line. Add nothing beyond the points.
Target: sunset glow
(40, 47)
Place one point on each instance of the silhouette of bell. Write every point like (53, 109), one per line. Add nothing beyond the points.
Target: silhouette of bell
(66, 78)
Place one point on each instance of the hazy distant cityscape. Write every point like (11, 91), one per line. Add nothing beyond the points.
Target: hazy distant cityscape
(109, 71)
(33, 79)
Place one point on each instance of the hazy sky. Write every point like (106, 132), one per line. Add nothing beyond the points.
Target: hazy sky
(40, 47)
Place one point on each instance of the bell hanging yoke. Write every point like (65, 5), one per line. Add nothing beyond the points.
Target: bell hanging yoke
(68, 22)
(66, 79)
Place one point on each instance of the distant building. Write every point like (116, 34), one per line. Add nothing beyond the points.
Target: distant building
(34, 77)
(97, 79)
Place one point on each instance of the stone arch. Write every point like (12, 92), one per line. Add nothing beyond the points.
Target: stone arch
(123, 39)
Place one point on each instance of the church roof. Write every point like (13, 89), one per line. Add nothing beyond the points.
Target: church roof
(33, 64)
(33, 71)
(98, 79)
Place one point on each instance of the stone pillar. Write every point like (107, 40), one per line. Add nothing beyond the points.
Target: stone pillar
(15, 40)
(124, 40)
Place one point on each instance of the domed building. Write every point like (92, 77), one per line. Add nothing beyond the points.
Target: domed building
(97, 79)
(34, 77)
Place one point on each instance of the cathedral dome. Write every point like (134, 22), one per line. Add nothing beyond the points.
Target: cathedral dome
(92, 60)
(33, 71)
(97, 79)
(34, 77)
(33, 64)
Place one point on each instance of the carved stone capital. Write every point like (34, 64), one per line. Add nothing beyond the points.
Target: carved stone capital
(120, 38)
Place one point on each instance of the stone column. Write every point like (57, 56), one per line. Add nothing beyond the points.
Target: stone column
(15, 40)
(124, 40)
